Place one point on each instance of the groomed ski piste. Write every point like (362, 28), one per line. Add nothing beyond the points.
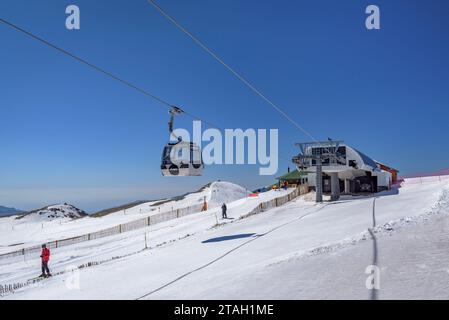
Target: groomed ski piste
(301, 250)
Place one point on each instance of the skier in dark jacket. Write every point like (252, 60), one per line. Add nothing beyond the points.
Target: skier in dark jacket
(223, 211)
(45, 256)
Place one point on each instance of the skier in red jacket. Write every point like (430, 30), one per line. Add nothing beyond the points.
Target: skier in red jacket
(45, 256)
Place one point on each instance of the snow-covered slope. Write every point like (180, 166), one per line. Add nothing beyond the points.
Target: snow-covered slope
(215, 193)
(54, 212)
(276, 254)
(225, 192)
(60, 221)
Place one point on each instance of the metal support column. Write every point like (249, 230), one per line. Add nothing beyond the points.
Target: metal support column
(319, 180)
(335, 186)
(347, 186)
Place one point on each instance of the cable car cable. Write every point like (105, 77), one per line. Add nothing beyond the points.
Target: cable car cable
(234, 72)
(105, 72)
(101, 70)
(230, 69)
(91, 65)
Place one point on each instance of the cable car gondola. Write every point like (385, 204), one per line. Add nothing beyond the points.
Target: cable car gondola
(180, 158)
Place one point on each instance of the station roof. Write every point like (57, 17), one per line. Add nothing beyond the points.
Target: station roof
(293, 175)
(367, 160)
(386, 166)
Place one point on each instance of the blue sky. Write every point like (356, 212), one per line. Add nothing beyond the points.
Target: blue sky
(70, 134)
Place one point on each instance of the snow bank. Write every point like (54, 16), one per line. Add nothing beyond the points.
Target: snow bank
(439, 208)
(216, 193)
(225, 192)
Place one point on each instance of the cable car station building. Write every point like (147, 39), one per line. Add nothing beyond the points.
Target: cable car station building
(344, 170)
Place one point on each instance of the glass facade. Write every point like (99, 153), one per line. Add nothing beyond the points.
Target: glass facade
(340, 153)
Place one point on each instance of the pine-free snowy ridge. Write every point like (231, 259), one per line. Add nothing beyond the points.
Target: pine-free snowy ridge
(280, 264)
(53, 212)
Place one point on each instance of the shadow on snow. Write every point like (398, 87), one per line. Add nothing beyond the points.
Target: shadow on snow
(226, 238)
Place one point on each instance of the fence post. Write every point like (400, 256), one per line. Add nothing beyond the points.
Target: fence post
(146, 246)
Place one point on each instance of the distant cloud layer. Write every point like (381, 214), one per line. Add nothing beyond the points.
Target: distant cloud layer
(88, 199)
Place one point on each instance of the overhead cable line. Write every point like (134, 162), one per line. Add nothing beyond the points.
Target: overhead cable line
(230, 69)
(162, 102)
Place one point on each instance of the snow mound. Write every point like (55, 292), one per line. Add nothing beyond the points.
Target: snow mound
(441, 207)
(59, 211)
(225, 192)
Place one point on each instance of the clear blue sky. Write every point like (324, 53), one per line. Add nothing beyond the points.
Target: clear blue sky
(70, 134)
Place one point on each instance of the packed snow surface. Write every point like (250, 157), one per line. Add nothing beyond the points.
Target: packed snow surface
(59, 221)
(299, 250)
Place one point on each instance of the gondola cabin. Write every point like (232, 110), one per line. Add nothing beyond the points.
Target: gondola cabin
(181, 159)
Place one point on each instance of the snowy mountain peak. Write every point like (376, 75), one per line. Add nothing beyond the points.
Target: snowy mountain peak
(225, 192)
(59, 211)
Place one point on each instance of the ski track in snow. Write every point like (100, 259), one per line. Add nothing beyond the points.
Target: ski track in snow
(132, 241)
(329, 224)
(229, 252)
(386, 229)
